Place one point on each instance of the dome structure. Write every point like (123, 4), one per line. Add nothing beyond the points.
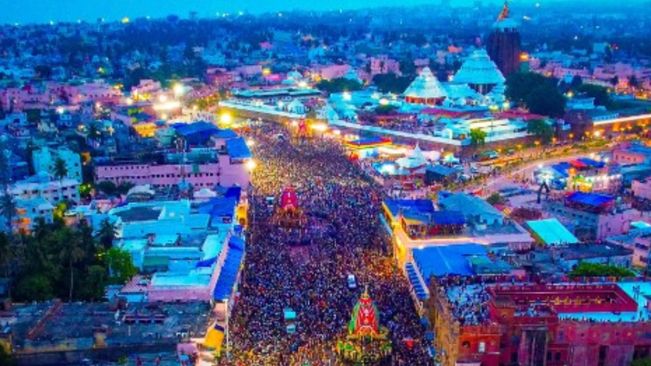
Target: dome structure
(425, 89)
(479, 72)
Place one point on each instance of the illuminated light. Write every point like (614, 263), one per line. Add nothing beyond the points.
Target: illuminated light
(61, 110)
(597, 133)
(162, 98)
(266, 71)
(384, 101)
(125, 20)
(570, 94)
(179, 89)
(226, 118)
(336, 132)
(195, 107)
(250, 165)
(163, 116)
(98, 105)
(167, 106)
(294, 123)
(321, 127)
(302, 84)
(524, 57)
(281, 104)
(129, 101)
(250, 142)
(347, 96)
(388, 169)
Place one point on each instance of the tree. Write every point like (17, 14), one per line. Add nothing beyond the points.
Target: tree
(477, 137)
(60, 171)
(546, 100)
(106, 234)
(641, 362)
(541, 130)
(338, 85)
(587, 269)
(407, 67)
(6, 256)
(598, 92)
(520, 84)
(120, 266)
(495, 199)
(8, 209)
(71, 254)
(391, 83)
(107, 187)
(34, 287)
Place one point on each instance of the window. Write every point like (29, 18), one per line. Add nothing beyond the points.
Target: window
(482, 347)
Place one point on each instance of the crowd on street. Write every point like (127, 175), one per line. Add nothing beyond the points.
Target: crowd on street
(305, 269)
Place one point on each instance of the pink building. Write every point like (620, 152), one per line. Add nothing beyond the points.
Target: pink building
(384, 65)
(328, 72)
(642, 188)
(224, 172)
(628, 157)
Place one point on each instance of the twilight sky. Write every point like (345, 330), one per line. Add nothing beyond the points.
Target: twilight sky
(30, 11)
(42, 11)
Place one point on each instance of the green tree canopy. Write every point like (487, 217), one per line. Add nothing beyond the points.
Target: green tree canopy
(538, 93)
(587, 269)
(541, 130)
(391, 83)
(477, 137)
(598, 92)
(338, 85)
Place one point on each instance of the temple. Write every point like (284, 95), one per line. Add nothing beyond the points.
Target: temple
(504, 42)
(367, 342)
(479, 72)
(425, 89)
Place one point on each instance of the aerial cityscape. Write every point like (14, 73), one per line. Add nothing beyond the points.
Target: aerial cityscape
(436, 182)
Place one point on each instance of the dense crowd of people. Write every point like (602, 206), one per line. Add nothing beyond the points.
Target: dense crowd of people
(306, 269)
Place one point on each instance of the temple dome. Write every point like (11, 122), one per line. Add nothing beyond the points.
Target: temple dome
(425, 87)
(479, 69)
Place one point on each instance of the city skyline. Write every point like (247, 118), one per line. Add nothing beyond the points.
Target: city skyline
(43, 11)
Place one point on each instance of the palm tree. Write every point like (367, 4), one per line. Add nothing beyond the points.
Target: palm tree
(60, 171)
(6, 256)
(106, 234)
(71, 254)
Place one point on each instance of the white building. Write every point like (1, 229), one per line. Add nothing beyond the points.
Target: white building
(42, 186)
(44, 159)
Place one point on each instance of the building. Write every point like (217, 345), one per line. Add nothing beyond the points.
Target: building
(591, 215)
(44, 159)
(479, 72)
(200, 167)
(539, 324)
(503, 44)
(425, 89)
(42, 186)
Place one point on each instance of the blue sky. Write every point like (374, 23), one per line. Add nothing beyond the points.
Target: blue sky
(30, 11)
(42, 11)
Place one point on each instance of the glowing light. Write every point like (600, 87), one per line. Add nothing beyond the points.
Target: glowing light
(98, 105)
(61, 110)
(129, 101)
(321, 127)
(250, 142)
(347, 96)
(266, 71)
(125, 20)
(302, 84)
(179, 89)
(384, 101)
(597, 133)
(167, 106)
(226, 118)
(294, 123)
(250, 165)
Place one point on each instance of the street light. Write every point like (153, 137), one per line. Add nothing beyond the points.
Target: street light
(250, 165)
(228, 348)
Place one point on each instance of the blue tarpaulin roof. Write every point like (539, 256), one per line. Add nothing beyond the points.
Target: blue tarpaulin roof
(422, 206)
(592, 163)
(228, 274)
(206, 262)
(237, 149)
(446, 260)
(590, 199)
